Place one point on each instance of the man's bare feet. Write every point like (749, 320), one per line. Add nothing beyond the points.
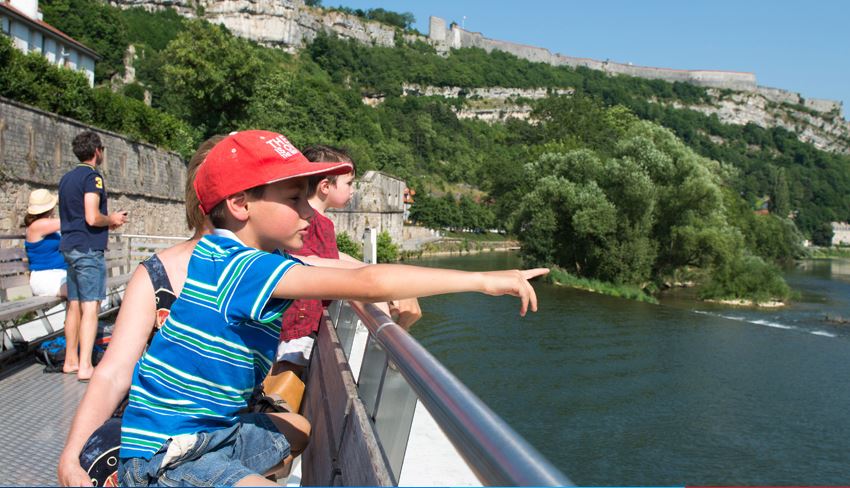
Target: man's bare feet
(84, 374)
(69, 369)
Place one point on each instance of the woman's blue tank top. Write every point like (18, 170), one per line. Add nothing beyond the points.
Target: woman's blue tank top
(45, 254)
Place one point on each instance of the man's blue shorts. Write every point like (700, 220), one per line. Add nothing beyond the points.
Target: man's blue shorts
(86, 275)
(218, 458)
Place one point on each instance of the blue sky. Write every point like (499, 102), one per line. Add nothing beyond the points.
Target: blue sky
(794, 45)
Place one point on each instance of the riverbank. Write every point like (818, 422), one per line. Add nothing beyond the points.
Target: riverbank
(829, 252)
(459, 247)
(560, 277)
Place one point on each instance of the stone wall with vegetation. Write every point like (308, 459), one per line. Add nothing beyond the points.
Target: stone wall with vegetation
(35, 151)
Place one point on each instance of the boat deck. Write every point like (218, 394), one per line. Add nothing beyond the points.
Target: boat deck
(36, 410)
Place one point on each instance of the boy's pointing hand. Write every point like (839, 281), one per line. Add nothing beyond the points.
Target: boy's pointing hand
(514, 282)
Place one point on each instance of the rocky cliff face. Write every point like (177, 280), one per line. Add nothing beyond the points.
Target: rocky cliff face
(290, 24)
(825, 130)
(287, 24)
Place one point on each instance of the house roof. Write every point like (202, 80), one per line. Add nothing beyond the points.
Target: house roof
(45, 27)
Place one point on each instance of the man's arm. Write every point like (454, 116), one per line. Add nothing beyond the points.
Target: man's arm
(96, 219)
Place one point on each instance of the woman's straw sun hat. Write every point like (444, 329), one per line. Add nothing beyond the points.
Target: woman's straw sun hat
(41, 201)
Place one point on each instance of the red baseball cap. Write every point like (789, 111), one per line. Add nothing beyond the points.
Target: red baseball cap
(252, 158)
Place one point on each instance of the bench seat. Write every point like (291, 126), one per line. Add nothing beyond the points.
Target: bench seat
(23, 312)
(18, 308)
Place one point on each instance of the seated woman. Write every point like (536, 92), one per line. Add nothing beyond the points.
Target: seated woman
(48, 270)
(94, 437)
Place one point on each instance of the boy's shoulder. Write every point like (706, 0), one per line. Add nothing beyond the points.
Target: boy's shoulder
(223, 245)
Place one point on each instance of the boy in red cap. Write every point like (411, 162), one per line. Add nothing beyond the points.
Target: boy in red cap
(185, 422)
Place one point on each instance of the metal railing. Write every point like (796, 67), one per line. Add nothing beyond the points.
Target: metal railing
(495, 453)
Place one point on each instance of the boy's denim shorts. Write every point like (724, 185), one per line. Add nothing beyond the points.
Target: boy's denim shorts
(86, 275)
(218, 458)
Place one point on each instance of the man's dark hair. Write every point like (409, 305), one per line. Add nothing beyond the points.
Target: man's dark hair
(85, 144)
(321, 153)
(218, 214)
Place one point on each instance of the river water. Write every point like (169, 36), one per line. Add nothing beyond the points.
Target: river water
(617, 392)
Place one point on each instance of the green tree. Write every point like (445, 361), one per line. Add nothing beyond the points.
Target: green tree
(95, 24)
(387, 251)
(209, 77)
(348, 246)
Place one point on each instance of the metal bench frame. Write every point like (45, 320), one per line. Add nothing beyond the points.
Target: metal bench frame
(14, 274)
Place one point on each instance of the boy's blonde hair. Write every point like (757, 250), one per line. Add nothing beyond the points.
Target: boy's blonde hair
(319, 153)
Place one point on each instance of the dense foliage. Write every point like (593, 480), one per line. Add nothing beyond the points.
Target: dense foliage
(634, 206)
(31, 79)
(349, 246)
(95, 24)
(595, 184)
(799, 178)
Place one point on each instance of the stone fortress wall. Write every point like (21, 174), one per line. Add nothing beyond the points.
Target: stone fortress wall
(35, 151)
(453, 37)
(378, 203)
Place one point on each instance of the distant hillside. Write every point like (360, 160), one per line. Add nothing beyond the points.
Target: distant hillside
(626, 179)
(738, 99)
(405, 108)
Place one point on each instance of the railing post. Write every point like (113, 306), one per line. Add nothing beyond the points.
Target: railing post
(370, 245)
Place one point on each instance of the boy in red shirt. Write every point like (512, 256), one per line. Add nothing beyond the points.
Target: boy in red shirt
(301, 320)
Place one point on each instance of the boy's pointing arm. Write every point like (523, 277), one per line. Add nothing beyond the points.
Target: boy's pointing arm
(383, 282)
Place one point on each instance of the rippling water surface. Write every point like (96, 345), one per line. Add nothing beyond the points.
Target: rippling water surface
(617, 392)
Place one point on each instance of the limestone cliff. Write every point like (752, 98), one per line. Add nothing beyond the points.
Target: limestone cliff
(825, 130)
(290, 24)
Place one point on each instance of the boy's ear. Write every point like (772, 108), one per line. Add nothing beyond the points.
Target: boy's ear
(323, 187)
(237, 205)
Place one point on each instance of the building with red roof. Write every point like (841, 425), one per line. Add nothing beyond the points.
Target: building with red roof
(21, 20)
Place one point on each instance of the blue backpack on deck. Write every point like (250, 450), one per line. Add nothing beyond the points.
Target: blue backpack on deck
(52, 354)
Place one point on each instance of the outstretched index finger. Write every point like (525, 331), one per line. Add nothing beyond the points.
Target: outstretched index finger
(534, 273)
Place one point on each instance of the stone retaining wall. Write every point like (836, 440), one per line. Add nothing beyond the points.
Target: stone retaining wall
(35, 151)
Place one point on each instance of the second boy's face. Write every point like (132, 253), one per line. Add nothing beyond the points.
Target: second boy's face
(281, 218)
(340, 193)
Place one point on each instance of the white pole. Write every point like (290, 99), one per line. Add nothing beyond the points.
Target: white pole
(370, 246)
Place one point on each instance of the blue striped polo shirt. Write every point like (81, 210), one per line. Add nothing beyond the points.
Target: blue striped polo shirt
(218, 343)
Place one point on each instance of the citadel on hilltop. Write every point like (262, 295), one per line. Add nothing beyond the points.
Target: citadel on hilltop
(454, 37)
(290, 24)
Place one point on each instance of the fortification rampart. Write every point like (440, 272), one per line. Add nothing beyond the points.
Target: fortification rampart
(378, 203)
(453, 37)
(35, 151)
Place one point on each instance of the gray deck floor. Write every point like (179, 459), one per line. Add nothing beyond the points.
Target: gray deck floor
(36, 410)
